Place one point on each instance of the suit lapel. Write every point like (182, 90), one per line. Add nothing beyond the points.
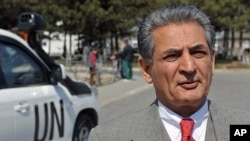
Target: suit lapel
(210, 133)
(219, 122)
(153, 124)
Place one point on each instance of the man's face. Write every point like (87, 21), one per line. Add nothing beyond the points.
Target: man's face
(182, 66)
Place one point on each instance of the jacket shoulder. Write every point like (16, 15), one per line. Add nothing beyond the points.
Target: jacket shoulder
(222, 117)
(139, 125)
(229, 115)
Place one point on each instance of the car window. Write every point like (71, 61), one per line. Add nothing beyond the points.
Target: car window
(18, 67)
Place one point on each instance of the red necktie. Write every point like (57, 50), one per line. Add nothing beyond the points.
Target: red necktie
(187, 125)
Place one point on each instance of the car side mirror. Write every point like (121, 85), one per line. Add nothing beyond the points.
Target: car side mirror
(58, 73)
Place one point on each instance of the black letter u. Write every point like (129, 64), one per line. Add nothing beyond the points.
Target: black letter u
(37, 123)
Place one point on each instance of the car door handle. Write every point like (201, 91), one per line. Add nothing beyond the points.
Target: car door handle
(22, 107)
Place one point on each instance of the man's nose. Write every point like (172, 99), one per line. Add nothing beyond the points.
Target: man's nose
(187, 63)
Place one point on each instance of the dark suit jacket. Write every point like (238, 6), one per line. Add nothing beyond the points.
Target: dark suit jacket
(127, 54)
(146, 125)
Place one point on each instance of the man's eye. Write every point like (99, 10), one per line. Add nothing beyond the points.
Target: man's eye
(171, 57)
(199, 54)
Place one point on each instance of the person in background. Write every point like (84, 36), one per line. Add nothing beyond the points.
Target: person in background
(92, 64)
(85, 54)
(176, 44)
(120, 67)
(126, 60)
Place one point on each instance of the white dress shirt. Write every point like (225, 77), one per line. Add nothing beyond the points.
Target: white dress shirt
(171, 122)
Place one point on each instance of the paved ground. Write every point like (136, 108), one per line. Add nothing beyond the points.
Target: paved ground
(112, 88)
(229, 88)
(107, 75)
(110, 83)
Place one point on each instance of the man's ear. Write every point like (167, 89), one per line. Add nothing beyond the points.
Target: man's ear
(145, 68)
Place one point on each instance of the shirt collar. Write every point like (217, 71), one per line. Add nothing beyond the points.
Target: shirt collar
(173, 119)
(168, 114)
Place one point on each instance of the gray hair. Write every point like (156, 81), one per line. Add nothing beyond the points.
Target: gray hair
(167, 15)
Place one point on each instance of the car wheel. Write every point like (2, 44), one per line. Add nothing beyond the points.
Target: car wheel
(82, 128)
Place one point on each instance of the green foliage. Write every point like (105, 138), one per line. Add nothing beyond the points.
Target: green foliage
(98, 19)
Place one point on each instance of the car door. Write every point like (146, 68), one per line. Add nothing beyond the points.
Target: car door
(6, 117)
(38, 107)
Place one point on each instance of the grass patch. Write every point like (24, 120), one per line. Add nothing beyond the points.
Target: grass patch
(221, 64)
(230, 64)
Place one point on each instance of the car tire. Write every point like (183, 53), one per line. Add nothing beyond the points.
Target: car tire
(82, 128)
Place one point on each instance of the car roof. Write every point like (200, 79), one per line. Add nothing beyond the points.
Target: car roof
(12, 35)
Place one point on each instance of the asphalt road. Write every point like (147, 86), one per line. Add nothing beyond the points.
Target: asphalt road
(229, 88)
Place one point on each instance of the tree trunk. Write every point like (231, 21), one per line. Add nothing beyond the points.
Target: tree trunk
(64, 45)
(240, 54)
(70, 45)
(225, 43)
(232, 45)
(116, 42)
(111, 43)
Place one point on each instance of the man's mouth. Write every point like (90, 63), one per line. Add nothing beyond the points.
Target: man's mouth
(189, 84)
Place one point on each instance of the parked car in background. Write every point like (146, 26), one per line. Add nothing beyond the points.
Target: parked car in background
(134, 45)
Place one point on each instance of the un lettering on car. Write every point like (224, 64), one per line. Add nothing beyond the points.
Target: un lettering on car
(53, 117)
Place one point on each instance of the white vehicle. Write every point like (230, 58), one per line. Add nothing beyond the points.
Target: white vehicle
(38, 102)
(54, 46)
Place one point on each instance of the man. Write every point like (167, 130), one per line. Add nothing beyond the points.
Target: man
(177, 55)
(92, 61)
(126, 58)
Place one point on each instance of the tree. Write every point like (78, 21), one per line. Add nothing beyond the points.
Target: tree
(99, 19)
(227, 15)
